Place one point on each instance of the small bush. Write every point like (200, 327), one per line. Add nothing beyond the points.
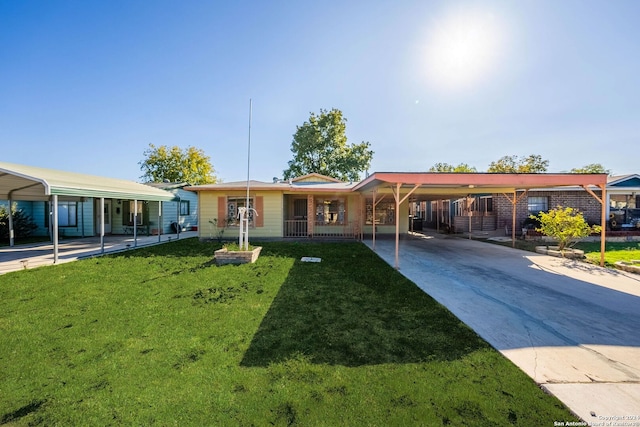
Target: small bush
(23, 224)
(566, 225)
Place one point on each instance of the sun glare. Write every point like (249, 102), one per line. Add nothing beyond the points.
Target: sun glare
(462, 48)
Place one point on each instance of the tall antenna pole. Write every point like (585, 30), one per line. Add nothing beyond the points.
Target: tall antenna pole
(249, 154)
(246, 235)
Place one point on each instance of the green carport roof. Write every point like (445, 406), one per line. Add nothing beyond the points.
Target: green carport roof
(20, 182)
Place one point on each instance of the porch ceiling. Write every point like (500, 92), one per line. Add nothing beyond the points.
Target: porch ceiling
(19, 182)
(438, 185)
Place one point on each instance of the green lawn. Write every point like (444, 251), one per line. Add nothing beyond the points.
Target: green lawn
(161, 336)
(614, 251)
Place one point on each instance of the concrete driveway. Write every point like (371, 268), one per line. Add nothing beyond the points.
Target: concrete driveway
(571, 326)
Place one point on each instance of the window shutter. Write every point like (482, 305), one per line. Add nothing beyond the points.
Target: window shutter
(222, 211)
(259, 202)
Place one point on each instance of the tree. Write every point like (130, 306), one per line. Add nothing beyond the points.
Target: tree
(446, 167)
(591, 168)
(320, 146)
(176, 165)
(511, 164)
(564, 225)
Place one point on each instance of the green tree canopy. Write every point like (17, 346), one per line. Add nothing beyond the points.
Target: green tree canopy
(446, 167)
(177, 165)
(320, 146)
(591, 168)
(513, 164)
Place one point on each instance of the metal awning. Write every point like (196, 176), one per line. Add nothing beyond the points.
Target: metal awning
(19, 182)
(461, 184)
(443, 185)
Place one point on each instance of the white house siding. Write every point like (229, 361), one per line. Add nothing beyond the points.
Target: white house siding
(170, 212)
(85, 220)
(36, 210)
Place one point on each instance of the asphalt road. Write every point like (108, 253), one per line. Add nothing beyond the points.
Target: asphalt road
(573, 327)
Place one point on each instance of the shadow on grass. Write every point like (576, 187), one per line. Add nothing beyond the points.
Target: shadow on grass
(352, 309)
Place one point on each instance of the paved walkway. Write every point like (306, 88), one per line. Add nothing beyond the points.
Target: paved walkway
(572, 327)
(36, 255)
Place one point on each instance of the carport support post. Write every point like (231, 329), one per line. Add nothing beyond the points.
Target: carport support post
(101, 225)
(396, 195)
(373, 221)
(514, 202)
(159, 220)
(54, 227)
(11, 232)
(135, 223)
(603, 237)
(603, 217)
(513, 220)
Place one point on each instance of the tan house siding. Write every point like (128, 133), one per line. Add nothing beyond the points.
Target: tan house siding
(272, 216)
(268, 205)
(272, 211)
(208, 205)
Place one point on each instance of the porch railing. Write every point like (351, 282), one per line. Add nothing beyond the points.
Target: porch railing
(295, 228)
(299, 228)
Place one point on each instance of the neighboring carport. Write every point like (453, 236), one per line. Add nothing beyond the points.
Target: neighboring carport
(28, 183)
(438, 185)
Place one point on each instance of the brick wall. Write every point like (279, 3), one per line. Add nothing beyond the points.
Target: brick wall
(581, 200)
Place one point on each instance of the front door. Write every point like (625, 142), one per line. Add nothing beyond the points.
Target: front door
(107, 216)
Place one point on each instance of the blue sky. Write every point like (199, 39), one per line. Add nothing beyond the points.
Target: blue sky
(85, 86)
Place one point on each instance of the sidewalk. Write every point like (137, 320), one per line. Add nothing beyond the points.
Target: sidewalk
(36, 255)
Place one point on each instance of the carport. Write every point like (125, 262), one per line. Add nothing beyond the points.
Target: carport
(438, 185)
(28, 183)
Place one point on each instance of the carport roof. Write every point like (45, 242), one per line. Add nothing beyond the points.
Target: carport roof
(442, 183)
(20, 182)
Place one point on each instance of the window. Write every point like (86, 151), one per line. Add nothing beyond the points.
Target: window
(538, 204)
(233, 204)
(330, 211)
(385, 213)
(67, 214)
(184, 207)
(128, 207)
(479, 205)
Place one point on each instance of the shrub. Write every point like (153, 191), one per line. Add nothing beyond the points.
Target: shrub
(566, 225)
(23, 224)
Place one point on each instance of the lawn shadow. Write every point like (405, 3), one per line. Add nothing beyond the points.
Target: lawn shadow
(352, 309)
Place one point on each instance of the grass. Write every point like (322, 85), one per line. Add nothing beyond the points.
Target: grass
(614, 251)
(161, 336)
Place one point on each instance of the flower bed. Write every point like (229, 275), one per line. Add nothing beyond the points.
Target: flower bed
(630, 266)
(555, 251)
(224, 256)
